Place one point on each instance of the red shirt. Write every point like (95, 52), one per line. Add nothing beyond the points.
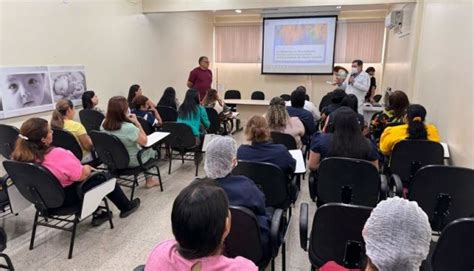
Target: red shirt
(201, 79)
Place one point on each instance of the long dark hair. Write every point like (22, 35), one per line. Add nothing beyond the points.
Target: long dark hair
(132, 92)
(347, 139)
(211, 96)
(199, 218)
(87, 99)
(29, 147)
(115, 113)
(168, 98)
(190, 104)
(416, 115)
(398, 103)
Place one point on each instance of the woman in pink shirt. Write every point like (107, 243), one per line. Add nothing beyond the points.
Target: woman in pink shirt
(201, 221)
(33, 145)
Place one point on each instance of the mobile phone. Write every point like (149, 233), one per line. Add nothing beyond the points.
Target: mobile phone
(353, 254)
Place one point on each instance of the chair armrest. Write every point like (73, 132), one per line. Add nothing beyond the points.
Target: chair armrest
(276, 228)
(94, 196)
(304, 226)
(6, 182)
(383, 187)
(396, 185)
(84, 186)
(311, 186)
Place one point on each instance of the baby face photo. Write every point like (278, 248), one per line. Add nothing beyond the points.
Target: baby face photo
(69, 85)
(25, 90)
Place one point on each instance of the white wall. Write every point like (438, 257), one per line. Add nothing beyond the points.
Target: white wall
(444, 75)
(118, 45)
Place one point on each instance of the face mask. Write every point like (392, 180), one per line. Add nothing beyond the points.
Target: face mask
(354, 70)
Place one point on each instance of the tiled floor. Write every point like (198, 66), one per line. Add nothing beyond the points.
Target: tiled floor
(128, 244)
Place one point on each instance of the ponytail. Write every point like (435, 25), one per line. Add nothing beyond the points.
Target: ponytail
(29, 146)
(62, 106)
(416, 127)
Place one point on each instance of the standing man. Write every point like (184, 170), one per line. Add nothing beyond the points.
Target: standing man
(373, 85)
(200, 78)
(357, 83)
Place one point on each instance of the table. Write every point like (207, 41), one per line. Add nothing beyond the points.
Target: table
(248, 108)
(369, 111)
(300, 165)
(155, 137)
(207, 139)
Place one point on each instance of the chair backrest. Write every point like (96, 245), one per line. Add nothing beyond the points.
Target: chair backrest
(306, 97)
(455, 247)
(213, 119)
(110, 150)
(269, 178)
(335, 224)
(285, 139)
(285, 97)
(349, 181)
(36, 184)
(257, 95)
(181, 136)
(167, 113)
(65, 140)
(445, 193)
(147, 127)
(232, 94)
(244, 237)
(91, 119)
(410, 155)
(8, 136)
(377, 98)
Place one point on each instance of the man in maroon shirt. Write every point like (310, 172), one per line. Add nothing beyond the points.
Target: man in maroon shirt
(200, 78)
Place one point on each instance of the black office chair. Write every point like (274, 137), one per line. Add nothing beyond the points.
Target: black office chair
(454, 250)
(182, 140)
(279, 193)
(285, 139)
(167, 113)
(285, 97)
(350, 181)
(91, 119)
(244, 237)
(115, 156)
(257, 95)
(3, 246)
(214, 127)
(41, 188)
(334, 226)
(139, 268)
(232, 94)
(377, 98)
(65, 140)
(410, 155)
(8, 137)
(306, 97)
(445, 193)
(147, 127)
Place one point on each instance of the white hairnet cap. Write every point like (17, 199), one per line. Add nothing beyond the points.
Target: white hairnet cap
(219, 154)
(397, 235)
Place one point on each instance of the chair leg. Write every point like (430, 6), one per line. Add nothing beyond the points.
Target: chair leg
(9, 265)
(289, 213)
(109, 213)
(171, 159)
(182, 158)
(283, 256)
(33, 232)
(135, 183)
(159, 178)
(73, 236)
(273, 264)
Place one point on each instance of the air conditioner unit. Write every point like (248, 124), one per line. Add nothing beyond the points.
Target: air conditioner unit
(394, 19)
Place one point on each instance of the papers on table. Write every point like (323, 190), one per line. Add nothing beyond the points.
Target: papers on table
(155, 137)
(207, 139)
(300, 165)
(446, 149)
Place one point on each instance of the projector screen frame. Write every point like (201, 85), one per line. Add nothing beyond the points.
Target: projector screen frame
(297, 17)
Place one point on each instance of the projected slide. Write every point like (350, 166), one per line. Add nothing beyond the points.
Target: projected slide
(298, 45)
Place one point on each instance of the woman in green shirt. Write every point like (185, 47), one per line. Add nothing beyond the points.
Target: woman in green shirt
(193, 114)
(124, 125)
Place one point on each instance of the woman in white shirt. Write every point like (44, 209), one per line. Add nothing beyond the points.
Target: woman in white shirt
(213, 100)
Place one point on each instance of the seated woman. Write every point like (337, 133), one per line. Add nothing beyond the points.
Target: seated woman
(193, 114)
(351, 101)
(201, 222)
(63, 118)
(345, 141)
(241, 191)
(395, 227)
(90, 101)
(262, 149)
(279, 121)
(141, 110)
(136, 90)
(391, 116)
(124, 125)
(169, 98)
(213, 100)
(414, 128)
(33, 146)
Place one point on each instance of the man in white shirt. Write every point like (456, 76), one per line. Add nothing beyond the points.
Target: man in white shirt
(358, 83)
(309, 106)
